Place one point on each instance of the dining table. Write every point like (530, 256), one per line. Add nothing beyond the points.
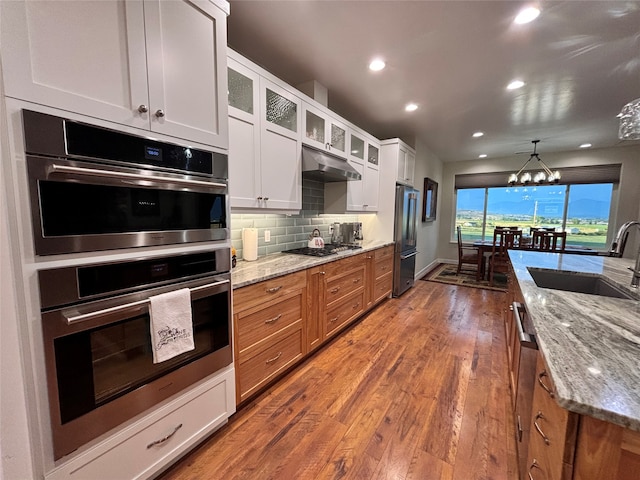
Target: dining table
(486, 246)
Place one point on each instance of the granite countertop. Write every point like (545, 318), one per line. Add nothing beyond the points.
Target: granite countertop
(591, 343)
(271, 266)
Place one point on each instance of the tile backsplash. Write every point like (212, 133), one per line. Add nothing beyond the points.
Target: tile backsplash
(288, 231)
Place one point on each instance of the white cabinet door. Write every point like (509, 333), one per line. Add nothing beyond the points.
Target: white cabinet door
(244, 136)
(355, 189)
(372, 177)
(82, 56)
(186, 58)
(406, 165)
(280, 148)
(324, 132)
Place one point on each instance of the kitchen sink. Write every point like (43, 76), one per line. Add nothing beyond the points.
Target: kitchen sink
(577, 282)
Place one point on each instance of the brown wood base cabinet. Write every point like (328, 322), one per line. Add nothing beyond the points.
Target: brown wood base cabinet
(565, 445)
(280, 321)
(269, 330)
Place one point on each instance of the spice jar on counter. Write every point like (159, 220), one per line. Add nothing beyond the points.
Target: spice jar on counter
(233, 256)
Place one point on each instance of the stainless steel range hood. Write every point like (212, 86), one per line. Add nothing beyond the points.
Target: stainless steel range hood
(325, 167)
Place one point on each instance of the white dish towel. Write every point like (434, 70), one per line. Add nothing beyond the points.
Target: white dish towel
(171, 324)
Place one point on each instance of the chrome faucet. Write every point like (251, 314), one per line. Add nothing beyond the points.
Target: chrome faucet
(617, 248)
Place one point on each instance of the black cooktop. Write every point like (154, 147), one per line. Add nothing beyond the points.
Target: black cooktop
(329, 249)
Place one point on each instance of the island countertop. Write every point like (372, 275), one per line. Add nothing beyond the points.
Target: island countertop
(277, 264)
(590, 343)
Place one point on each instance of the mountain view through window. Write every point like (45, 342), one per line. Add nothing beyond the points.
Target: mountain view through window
(580, 210)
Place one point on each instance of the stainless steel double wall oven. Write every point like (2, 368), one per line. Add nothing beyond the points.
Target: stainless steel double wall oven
(97, 189)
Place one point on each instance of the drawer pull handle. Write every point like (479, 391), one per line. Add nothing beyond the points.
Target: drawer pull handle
(542, 384)
(164, 439)
(535, 424)
(334, 320)
(356, 306)
(357, 280)
(274, 289)
(274, 319)
(335, 290)
(534, 464)
(271, 360)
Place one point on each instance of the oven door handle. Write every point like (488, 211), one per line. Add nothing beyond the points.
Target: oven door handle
(94, 172)
(72, 319)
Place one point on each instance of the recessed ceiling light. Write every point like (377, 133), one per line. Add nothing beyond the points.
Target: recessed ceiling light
(526, 15)
(482, 155)
(411, 107)
(478, 134)
(585, 145)
(377, 64)
(515, 84)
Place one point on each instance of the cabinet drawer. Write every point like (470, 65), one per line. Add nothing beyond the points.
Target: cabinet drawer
(384, 252)
(345, 265)
(338, 288)
(259, 323)
(382, 287)
(382, 267)
(256, 371)
(142, 452)
(259, 293)
(344, 311)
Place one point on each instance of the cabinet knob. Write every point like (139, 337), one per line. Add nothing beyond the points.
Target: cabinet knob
(259, 198)
(266, 199)
(159, 113)
(143, 109)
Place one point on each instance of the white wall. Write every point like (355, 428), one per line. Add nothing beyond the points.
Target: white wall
(626, 198)
(428, 165)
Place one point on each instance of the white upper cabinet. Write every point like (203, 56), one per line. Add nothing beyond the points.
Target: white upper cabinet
(406, 165)
(323, 131)
(357, 195)
(264, 140)
(155, 65)
(402, 157)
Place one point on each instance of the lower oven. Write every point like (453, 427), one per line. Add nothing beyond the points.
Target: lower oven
(97, 340)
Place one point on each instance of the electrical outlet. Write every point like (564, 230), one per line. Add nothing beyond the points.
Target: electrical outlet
(267, 235)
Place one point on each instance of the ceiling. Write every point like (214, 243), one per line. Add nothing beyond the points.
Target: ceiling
(580, 61)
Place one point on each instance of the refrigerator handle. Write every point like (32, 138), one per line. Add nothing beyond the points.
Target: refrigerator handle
(411, 220)
(404, 257)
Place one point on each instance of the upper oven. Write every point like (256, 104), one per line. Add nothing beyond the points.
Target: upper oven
(97, 189)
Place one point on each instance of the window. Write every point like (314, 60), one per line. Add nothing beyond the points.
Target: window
(581, 210)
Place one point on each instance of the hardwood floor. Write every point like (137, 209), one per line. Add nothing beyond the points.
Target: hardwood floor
(417, 389)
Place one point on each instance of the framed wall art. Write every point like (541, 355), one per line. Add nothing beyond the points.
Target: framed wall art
(429, 200)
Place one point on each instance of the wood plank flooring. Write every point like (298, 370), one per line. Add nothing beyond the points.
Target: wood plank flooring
(418, 389)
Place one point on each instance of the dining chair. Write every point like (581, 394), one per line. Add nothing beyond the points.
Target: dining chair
(540, 240)
(549, 241)
(466, 257)
(499, 259)
(558, 241)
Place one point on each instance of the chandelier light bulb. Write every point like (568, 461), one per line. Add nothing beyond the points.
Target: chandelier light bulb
(540, 177)
(513, 179)
(525, 178)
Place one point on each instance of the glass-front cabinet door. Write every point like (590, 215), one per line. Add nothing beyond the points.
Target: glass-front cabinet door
(324, 132)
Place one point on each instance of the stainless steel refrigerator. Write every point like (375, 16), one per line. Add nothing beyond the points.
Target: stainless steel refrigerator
(405, 238)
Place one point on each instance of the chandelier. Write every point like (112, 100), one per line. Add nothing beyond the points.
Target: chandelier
(545, 176)
(630, 121)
